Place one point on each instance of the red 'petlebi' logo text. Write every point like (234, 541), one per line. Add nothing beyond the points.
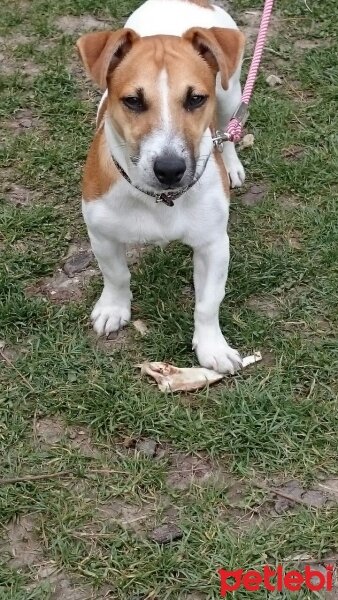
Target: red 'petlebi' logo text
(275, 580)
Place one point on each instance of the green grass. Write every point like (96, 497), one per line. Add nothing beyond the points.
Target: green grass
(275, 422)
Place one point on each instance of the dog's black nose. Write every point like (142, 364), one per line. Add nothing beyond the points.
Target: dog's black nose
(169, 170)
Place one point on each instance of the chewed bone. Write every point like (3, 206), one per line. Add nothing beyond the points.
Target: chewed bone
(251, 360)
(175, 379)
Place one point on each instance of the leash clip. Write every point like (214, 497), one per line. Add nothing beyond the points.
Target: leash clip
(219, 139)
(241, 115)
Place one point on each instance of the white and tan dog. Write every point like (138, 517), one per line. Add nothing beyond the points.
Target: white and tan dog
(152, 174)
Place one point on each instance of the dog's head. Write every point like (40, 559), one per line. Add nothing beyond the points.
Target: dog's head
(161, 96)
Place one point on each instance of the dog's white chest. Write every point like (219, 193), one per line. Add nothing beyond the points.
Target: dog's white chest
(123, 216)
(194, 218)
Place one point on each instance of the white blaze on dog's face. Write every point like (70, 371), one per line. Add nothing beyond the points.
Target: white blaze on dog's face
(161, 96)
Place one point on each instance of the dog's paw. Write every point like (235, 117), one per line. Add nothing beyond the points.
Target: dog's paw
(236, 172)
(107, 318)
(216, 354)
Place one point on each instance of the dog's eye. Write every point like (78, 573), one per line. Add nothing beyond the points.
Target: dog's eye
(194, 101)
(135, 103)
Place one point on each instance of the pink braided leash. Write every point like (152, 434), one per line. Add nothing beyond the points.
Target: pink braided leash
(234, 130)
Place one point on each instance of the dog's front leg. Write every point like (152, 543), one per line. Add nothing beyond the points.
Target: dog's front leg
(228, 102)
(210, 274)
(112, 310)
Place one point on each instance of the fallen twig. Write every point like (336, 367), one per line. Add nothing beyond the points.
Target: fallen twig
(28, 478)
(105, 472)
(311, 561)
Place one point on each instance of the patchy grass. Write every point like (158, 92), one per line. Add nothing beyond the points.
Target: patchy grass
(206, 464)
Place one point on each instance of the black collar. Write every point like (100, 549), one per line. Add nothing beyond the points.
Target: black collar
(166, 197)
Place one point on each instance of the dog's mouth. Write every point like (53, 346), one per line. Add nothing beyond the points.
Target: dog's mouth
(163, 189)
(168, 190)
(143, 176)
(152, 185)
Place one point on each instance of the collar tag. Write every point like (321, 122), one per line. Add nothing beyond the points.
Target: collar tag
(166, 198)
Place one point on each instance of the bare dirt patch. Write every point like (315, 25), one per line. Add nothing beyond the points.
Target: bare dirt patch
(118, 340)
(329, 487)
(45, 46)
(289, 202)
(70, 24)
(264, 305)
(292, 493)
(187, 470)
(244, 521)
(60, 288)
(147, 447)
(283, 498)
(136, 518)
(292, 239)
(238, 508)
(268, 358)
(80, 440)
(69, 282)
(7, 176)
(30, 68)
(135, 254)
(23, 544)
(64, 589)
(51, 431)
(13, 41)
(254, 194)
(293, 152)
(304, 44)
(7, 353)
(156, 520)
(10, 66)
(249, 22)
(22, 121)
(19, 196)
(60, 585)
(77, 262)
(295, 89)
(295, 239)
(166, 533)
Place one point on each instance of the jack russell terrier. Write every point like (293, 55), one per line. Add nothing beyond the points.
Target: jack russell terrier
(152, 172)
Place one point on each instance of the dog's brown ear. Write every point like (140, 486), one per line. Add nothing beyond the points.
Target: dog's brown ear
(221, 48)
(102, 51)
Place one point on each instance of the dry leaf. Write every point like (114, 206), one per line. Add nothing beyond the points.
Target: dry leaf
(77, 262)
(273, 80)
(166, 533)
(298, 557)
(247, 141)
(141, 327)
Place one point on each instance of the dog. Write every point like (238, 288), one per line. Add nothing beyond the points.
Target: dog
(169, 78)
